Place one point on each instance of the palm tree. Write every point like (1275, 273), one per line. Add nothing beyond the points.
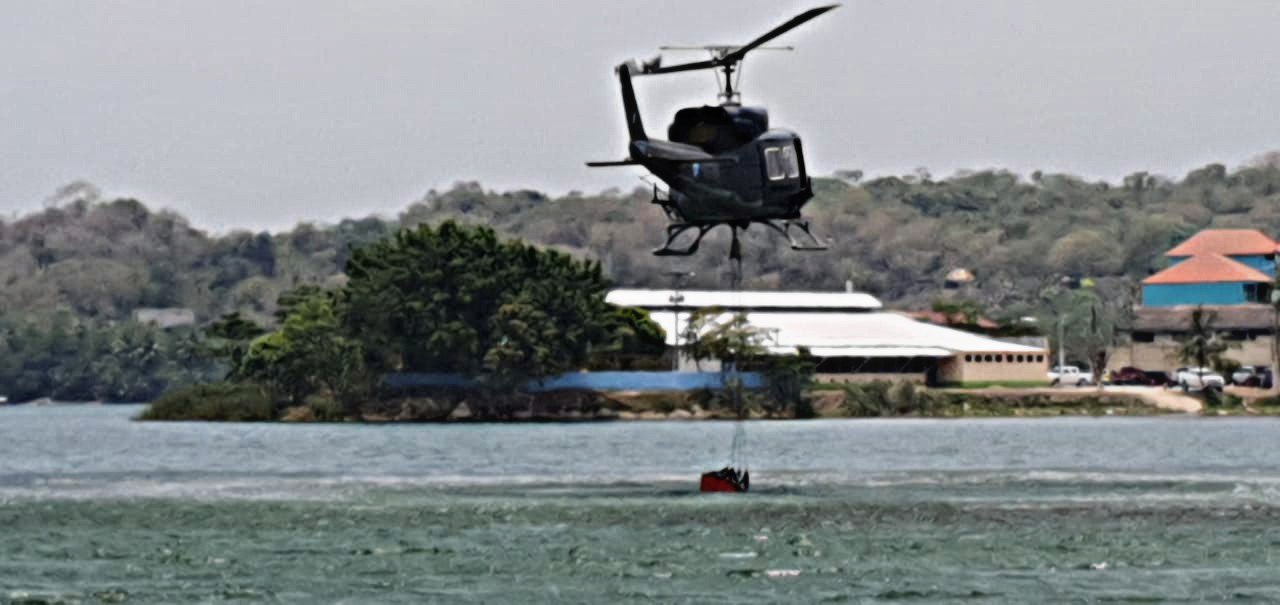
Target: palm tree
(1203, 346)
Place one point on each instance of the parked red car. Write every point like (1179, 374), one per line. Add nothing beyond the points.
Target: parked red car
(1136, 376)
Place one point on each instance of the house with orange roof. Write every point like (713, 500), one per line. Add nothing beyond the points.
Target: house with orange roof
(1229, 273)
(1215, 267)
(1248, 246)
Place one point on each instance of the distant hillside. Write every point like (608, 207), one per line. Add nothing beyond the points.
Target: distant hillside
(896, 237)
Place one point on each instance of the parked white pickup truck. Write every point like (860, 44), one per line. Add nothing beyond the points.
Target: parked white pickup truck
(1198, 379)
(1069, 375)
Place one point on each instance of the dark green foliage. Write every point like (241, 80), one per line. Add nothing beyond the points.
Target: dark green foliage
(229, 337)
(453, 299)
(887, 399)
(1203, 346)
(787, 379)
(457, 299)
(896, 237)
(76, 359)
(229, 402)
(637, 343)
(308, 354)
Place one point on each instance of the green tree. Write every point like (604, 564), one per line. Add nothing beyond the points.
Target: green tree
(309, 353)
(636, 341)
(731, 340)
(456, 299)
(787, 379)
(229, 338)
(1203, 346)
(1091, 325)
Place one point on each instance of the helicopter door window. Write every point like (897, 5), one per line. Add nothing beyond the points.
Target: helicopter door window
(773, 163)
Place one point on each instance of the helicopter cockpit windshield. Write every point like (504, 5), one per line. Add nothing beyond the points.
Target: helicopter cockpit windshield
(780, 162)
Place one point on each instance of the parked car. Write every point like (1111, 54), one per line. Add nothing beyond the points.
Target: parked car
(1252, 376)
(1069, 375)
(1132, 375)
(1159, 378)
(1199, 379)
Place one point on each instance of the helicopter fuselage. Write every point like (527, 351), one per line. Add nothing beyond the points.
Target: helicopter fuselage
(763, 179)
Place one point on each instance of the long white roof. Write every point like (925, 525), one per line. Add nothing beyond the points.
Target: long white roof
(873, 334)
(825, 301)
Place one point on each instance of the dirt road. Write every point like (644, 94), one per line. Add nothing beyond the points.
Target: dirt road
(1165, 399)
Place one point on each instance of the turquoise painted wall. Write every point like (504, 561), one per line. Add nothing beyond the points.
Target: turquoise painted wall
(1257, 262)
(1168, 295)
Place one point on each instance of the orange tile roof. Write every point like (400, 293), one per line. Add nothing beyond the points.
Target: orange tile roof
(1227, 242)
(1207, 268)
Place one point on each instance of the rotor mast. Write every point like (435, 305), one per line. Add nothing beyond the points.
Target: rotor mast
(730, 91)
(725, 58)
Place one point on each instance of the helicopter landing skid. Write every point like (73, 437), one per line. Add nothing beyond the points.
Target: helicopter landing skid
(809, 241)
(675, 231)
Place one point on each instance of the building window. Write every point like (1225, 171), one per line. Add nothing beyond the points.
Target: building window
(1020, 359)
(1144, 337)
(1039, 358)
(1257, 293)
(968, 358)
(988, 359)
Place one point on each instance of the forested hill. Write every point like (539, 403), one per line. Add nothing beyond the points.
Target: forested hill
(896, 237)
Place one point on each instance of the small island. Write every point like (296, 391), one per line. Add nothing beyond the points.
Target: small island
(451, 323)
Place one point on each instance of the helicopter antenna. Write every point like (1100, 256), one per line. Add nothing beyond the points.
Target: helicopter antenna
(725, 58)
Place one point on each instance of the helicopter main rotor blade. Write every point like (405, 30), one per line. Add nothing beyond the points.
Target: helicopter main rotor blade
(795, 22)
(741, 51)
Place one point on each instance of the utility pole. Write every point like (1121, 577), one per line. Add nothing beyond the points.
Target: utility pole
(1061, 343)
(1275, 338)
(678, 278)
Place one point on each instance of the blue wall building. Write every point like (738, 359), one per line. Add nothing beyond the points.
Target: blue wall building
(1215, 267)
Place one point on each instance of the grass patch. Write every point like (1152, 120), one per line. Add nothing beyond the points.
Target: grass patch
(223, 402)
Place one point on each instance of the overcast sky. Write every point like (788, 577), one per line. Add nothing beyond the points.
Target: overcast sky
(262, 114)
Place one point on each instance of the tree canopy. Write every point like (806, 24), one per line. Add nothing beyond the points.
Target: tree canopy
(895, 236)
(457, 299)
(73, 273)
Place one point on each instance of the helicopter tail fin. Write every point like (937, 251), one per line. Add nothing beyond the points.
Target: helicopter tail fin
(635, 127)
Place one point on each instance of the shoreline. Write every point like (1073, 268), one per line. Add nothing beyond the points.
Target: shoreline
(826, 402)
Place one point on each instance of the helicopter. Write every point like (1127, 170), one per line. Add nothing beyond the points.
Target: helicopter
(722, 164)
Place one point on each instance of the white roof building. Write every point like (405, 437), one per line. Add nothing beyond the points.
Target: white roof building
(874, 334)
(744, 301)
(847, 326)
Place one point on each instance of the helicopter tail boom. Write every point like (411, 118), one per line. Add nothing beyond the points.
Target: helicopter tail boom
(635, 126)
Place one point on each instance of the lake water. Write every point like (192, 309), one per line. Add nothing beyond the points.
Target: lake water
(95, 507)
